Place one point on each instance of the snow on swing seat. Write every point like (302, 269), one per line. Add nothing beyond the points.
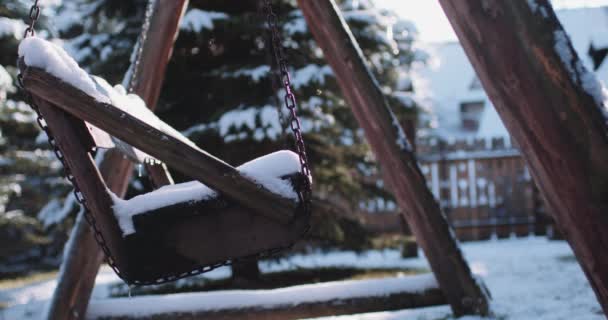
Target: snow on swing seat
(272, 171)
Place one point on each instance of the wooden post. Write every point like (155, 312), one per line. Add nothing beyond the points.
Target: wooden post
(541, 91)
(81, 264)
(326, 307)
(399, 166)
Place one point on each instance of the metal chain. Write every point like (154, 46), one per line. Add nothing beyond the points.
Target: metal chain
(275, 76)
(34, 15)
(305, 194)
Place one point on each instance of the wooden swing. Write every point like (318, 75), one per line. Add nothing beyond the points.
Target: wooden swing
(242, 219)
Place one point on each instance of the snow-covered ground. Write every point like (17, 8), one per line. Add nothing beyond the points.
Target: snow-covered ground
(529, 278)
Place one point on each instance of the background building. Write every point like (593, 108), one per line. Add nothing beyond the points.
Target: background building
(469, 160)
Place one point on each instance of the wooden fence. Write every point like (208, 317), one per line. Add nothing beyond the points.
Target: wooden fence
(483, 186)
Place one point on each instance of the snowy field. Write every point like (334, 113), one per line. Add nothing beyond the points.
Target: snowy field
(529, 278)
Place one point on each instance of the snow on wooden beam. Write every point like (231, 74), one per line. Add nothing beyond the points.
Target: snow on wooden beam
(82, 261)
(553, 107)
(394, 154)
(298, 302)
(161, 144)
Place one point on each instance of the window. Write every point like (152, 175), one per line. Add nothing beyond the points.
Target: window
(470, 114)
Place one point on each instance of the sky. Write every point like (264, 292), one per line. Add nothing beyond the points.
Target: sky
(432, 24)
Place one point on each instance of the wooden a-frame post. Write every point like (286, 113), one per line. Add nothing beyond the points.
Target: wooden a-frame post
(399, 166)
(552, 107)
(82, 260)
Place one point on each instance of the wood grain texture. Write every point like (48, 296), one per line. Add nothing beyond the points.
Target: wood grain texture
(399, 165)
(557, 124)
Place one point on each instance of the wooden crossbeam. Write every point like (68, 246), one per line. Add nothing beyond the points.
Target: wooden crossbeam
(533, 76)
(178, 154)
(342, 303)
(399, 165)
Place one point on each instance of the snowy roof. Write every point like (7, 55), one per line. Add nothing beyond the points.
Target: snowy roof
(448, 80)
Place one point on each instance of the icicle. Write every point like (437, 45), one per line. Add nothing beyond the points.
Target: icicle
(140, 168)
(130, 289)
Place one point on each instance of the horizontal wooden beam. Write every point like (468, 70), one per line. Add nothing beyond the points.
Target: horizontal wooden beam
(305, 310)
(178, 154)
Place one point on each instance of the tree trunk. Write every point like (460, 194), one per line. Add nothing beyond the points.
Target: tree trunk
(399, 165)
(550, 106)
(71, 298)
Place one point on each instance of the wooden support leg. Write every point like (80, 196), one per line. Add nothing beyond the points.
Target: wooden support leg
(82, 260)
(72, 294)
(535, 79)
(398, 162)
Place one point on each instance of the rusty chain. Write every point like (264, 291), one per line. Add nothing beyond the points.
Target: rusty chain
(290, 102)
(272, 21)
(34, 15)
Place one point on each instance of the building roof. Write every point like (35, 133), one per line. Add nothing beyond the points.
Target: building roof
(449, 79)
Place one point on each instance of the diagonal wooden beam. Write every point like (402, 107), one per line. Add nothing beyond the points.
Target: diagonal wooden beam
(553, 108)
(162, 145)
(82, 261)
(399, 165)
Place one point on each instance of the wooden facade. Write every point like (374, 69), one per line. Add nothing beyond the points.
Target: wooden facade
(483, 186)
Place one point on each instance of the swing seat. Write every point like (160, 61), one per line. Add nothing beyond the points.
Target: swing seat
(203, 228)
(177, 230)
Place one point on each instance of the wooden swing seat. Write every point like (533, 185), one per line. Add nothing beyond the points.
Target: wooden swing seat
(204, 233)
(173, 241)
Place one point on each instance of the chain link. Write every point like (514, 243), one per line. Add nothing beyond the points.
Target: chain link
(34, 15)
(272, 21)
